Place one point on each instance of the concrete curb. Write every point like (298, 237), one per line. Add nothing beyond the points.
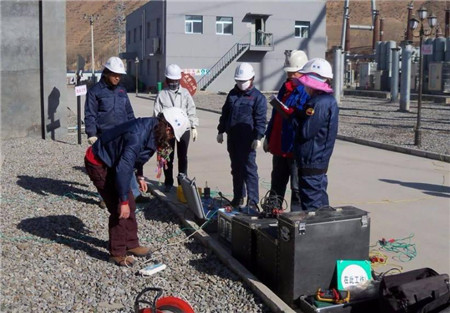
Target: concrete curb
(436, 98)
(385, 146)
(267, 295)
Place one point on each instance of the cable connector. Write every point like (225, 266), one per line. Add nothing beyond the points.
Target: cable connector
(333, 295)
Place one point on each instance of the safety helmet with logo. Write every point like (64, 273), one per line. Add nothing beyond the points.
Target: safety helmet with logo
(173, 71)
(295, 60)
(178, 119)
(318, 66)
(243, 72)
(115, 65)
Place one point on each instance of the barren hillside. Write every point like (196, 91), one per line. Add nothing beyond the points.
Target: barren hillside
(106, 36)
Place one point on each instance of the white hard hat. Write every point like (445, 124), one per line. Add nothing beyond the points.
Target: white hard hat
(244, 71)
(173, 71)
(295, 60)
(318, 66)
(178, 119)
(115, 65)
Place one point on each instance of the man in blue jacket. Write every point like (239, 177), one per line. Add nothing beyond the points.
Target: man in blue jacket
(110, 163)
(280, 133)
(244, 120)
(107, 105)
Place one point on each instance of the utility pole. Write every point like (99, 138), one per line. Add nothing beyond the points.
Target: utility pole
(120, 23)
(92, 18)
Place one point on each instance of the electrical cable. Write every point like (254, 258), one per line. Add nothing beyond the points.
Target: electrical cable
(272, 204)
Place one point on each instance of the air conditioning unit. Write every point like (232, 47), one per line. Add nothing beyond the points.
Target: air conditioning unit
(435, 76)
(155, 44)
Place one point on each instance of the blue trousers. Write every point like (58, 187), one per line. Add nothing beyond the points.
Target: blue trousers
(313, 191)
(243, 168)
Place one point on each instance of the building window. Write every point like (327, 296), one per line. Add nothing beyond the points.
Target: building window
(140, 33)
(224, 25)
(147, 31)
(129, 37)
(148, 67)
(302, 29)
(193, 24)
(134, 35)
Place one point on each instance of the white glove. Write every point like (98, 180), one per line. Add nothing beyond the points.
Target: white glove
(194, 134)
(266, 145)
(256, 144)
(219, 138)
(92, 140)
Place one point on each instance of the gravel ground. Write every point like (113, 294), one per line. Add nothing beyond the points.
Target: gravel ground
(54, 240)
(54, 243)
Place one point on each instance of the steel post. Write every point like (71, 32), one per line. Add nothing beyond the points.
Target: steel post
(395, 74)
(405, 84)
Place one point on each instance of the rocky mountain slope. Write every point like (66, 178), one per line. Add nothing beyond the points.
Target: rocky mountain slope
(112, 13)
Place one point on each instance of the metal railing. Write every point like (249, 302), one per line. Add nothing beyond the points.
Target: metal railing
(220, 65)
(258, 39)
(261, 39)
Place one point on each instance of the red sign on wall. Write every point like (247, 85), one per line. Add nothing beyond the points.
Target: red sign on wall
(188, 82)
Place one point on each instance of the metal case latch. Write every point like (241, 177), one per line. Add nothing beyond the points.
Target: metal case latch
(364, 221)
(302, 228)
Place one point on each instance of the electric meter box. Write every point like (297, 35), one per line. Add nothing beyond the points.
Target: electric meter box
(243, 238)
(310, 243)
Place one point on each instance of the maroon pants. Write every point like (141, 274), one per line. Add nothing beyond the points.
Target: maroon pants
(122, 232)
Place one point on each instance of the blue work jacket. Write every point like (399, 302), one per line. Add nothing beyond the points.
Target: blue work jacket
(105, 107)
(316, 133)
(126, 147)
(244, 110)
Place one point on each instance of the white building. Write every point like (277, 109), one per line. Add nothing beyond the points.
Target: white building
(209, 38)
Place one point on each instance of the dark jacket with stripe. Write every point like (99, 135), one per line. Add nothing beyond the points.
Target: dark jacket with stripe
(316, 134)
(244, 110)
(105, 107)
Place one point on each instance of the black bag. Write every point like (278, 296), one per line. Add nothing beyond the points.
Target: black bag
(422, 290)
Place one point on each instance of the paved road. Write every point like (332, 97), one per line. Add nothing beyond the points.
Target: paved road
(405, 195)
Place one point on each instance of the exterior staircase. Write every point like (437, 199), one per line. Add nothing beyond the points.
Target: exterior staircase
(237, 50)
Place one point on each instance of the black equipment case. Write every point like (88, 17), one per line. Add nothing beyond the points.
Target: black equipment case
(243, 238)
(422, 290)
(310, 243)
(267, 255)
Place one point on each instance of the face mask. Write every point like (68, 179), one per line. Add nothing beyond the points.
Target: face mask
(174, 86)
(243, 85)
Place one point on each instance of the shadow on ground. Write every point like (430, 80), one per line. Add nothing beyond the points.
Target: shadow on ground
(68, 230)
(429, 189)
(62, 188)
